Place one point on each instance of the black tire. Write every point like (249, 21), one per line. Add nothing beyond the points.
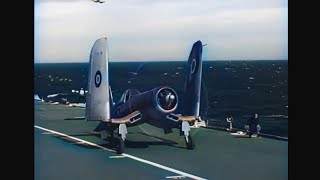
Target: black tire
(120, 146)
(190, 145)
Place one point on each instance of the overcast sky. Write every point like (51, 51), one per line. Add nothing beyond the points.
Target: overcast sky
(155, 30)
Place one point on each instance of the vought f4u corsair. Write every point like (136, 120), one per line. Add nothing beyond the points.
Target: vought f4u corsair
(156, 107)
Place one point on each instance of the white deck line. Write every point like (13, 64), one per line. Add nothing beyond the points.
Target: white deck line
(126, 155)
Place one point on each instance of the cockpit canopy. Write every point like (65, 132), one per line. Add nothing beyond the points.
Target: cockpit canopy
(128, 94)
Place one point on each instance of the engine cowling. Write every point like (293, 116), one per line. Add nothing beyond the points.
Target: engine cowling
(155, 102)
(166, 100)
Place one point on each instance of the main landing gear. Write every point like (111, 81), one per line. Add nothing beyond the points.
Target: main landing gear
(189, 143)
(122, 132)
(113, 140)
(186, 129)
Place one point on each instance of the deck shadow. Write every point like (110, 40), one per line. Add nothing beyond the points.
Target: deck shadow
(112, 144)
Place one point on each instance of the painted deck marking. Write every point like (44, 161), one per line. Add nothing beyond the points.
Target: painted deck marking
(112, 157)
(126, 155)
(175, 177)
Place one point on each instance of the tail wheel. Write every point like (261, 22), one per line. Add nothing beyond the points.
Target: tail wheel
(190, 144)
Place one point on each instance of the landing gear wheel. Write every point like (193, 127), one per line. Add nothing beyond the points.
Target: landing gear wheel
(180, 130)
(122, 136)
(120, 146)
(190, 144)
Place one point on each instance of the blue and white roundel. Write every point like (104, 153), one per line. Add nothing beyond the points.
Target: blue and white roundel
(193, 66)
(97, 79)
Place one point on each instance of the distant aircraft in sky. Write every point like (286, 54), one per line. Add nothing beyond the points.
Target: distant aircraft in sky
(98, 1)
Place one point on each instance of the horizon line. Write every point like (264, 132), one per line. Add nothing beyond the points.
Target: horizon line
(162, 61)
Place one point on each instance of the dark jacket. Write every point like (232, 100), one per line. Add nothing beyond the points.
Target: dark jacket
(252, 122)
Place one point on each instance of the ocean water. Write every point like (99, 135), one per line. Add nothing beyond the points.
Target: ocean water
(234, 88)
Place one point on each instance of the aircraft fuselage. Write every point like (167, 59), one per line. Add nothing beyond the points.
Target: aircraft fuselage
(154, 106)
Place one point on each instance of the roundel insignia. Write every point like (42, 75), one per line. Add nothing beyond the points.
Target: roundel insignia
(97, 79)
(193, 65)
